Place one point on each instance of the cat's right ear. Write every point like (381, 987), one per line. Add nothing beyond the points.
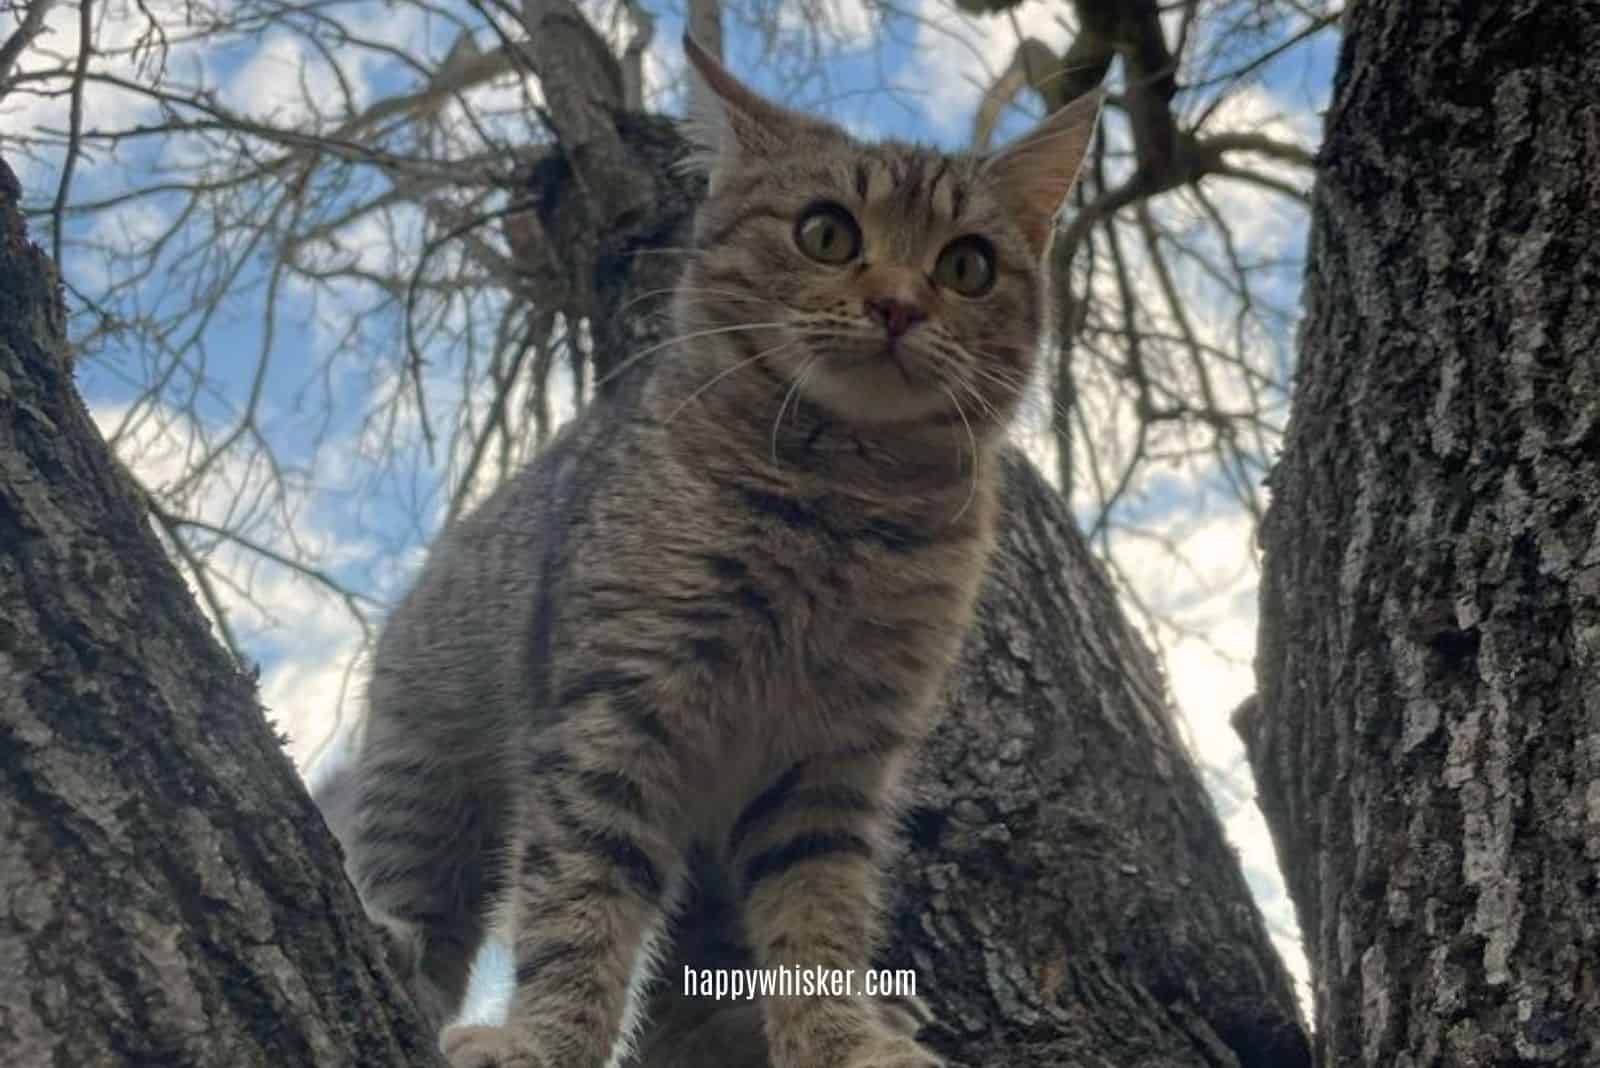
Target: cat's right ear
(729, 121)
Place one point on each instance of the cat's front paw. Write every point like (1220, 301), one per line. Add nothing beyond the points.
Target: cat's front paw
(488, 1047)
(892, 1051)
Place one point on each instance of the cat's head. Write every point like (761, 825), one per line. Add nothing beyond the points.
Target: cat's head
(890, 283)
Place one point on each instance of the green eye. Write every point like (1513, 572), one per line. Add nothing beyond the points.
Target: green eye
(828, 234)
(967, 266)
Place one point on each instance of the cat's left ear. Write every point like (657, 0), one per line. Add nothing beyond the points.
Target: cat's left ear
(731, 121)
(1035, 173)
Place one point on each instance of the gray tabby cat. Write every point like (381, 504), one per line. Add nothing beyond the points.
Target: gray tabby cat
(715, 634)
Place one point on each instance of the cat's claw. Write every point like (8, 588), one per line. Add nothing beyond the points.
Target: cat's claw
(487, 1047)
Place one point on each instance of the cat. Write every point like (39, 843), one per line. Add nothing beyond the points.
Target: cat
(712, 633)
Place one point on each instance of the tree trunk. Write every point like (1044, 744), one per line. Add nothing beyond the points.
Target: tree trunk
(1067, 897)
(168, 893)
(1427, 741)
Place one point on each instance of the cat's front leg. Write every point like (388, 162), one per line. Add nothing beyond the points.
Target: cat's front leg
(809, 852)
(590, 883)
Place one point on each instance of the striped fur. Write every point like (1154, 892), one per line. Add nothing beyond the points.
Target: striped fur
(719, 628)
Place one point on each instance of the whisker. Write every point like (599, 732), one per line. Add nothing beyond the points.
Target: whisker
(725, 372)
(690, 336)
(671, 250)
(793, 391)
(972, 491)
(725, 294)
(956, 370)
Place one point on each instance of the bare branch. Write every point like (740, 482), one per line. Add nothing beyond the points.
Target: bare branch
(75, 135)
(28, 27)
(644, 32)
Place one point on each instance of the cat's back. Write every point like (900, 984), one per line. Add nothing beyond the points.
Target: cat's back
(458, 641)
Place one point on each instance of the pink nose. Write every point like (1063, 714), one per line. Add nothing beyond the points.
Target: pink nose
(897, 316)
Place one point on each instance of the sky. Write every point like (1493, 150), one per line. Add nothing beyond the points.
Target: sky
(299, 393)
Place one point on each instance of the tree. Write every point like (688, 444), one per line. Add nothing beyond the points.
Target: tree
(1067, 897)
(1425, 735)
(171, 895)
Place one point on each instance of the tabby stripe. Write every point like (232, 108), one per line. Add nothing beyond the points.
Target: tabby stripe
(825, 797)
(729, 277)
(878, 692)
(599, 683)
(812, 846)
(747, 594)
(621, 850)
(642, 718)
(958, 201)
(409, 912)
(699, 616)
(863, 179)
(637, 655)
(548, 762)
(933, 188)
(408, 837)
(619, 686)
(912, 173)
(630, 861)
(895, 537)
(587, 890)
(569, 497)
(726, 230)
(765, 804)
(725, 566)
(693, 607)
(711, 651)
(407, 765)
(376, 872)
(536, 860)
(550, 953)
(616, 788)
(384, 796)
(755, 599)
(536, 910)
(787, 510)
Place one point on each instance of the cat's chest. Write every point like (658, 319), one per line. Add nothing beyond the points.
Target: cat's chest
(838, 621)
(786, 619)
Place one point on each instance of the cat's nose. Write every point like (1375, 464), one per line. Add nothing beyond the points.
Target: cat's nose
(897, 316)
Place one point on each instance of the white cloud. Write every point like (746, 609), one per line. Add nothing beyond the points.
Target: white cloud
(1198, 573)
(315, 694)
(311, 631)
(37, 105)
(958, 56)
(1263, 221)
(287, 82)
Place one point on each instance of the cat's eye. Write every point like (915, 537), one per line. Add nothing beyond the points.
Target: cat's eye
(967, 266)
(828, 234)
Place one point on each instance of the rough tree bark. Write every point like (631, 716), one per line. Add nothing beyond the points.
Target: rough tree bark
(1427, 740)
(1068, 897)
(168, 893)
